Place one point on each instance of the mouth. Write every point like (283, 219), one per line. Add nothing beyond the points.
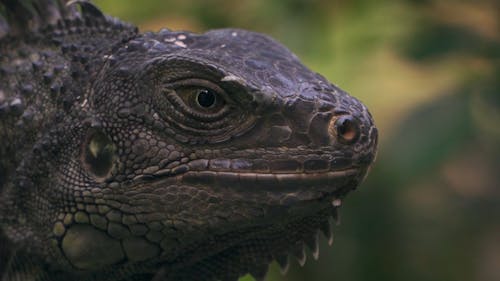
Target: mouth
(279, 177)
(271, 181)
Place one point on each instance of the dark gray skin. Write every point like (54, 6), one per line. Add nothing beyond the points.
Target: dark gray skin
(164, 156)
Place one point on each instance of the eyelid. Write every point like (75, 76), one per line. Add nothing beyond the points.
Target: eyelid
(171, 92)
(195, 82)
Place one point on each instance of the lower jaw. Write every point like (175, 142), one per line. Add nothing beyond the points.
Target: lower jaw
(300, 224)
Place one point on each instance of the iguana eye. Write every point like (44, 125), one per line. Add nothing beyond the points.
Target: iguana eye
(200, 107)
(201, 99)
(99, 155)
(199, 96)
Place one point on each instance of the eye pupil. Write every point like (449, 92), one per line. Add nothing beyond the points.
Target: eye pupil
(206, 98)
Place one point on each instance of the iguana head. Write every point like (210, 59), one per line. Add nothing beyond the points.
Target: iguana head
(189, 154)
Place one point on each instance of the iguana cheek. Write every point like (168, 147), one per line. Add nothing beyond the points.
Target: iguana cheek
(88, 248)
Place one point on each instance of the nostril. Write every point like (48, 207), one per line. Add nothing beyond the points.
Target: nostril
(345, 128)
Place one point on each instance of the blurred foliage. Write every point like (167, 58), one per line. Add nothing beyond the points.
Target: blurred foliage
(429, 71)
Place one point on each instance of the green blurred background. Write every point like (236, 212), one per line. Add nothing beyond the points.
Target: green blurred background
(430, 73)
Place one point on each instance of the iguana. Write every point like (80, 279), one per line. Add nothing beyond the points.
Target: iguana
(164, 156)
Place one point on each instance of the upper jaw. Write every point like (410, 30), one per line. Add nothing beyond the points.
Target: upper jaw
(274, 171)
(282, 185)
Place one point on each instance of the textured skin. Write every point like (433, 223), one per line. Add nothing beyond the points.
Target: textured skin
(112, 169)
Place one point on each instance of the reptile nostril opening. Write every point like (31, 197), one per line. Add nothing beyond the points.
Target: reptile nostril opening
(345, 128)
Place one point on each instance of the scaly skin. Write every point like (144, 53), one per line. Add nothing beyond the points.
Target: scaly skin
(165, 156)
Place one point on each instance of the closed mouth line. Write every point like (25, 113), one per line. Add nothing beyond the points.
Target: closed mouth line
(278, 175)
(267, 180)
